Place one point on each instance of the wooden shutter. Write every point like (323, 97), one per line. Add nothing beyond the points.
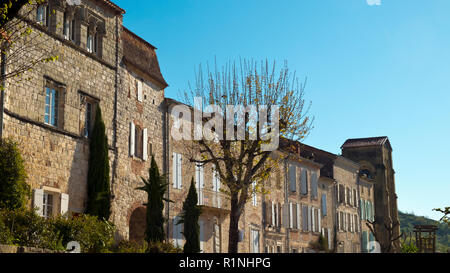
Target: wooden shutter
(132, 138)
(280, 217)
(314, 185)
(304, 182)
(319, 221)
(145, 145)
(38, 199)
(291, 215)
(202, 236)
(273, 214)
(179, 171)
(293, 178)
(298, 216)
(175, 170)
(139, 90)
(309, 218)
(285, 215)
(338, 217)
(324, 204)
(64, 204)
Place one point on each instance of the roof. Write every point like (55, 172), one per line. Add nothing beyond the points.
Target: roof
(113, 6)
(142, 55)
(364, 142)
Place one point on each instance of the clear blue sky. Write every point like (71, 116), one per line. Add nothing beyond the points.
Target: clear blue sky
(372, 70)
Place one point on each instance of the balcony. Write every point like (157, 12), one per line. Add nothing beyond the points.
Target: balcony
(212, 200)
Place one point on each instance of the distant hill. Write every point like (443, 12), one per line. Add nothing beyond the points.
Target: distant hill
(408, 221)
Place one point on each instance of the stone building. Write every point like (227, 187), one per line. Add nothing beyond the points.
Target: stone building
(374, 156)
(102, 63)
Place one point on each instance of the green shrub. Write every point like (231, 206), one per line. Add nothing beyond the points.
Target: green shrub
(161, 247)
(129, 247)
(26, 228)
(409, 248)
(14, 190)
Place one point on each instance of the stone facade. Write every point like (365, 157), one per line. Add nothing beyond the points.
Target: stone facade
(51, 116)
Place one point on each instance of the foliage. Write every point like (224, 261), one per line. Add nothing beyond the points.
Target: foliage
(189, 217)
(320, 245)
(99, 192)
(14, 190)
(155, 187)
(135, 247)
(446, 217)
(248, 159)
(26, 228)
(409, 220)
(409, 248)
(18, 38)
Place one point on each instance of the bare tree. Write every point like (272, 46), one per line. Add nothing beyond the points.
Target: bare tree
(243, 163)
(387, 245)
(23, 45)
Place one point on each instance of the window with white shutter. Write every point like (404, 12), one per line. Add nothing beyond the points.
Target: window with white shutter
(319, 221)
(298, 217)
(254, 195)
(176, 171)
(199, 182)
(177, 232)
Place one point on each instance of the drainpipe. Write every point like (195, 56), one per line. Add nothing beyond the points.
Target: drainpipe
(166, 154)
(2, 98)
(286, 203)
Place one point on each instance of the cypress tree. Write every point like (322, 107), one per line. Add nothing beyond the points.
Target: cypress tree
(190, 215)
(155, 187)
(99, 191)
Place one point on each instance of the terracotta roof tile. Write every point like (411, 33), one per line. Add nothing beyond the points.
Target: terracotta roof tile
(141, 54)
(361, 142)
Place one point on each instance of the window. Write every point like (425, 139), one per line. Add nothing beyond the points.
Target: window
(42, 14)
(51, 106)
(305, 218)
(138, 142)
(355, 198)
(254, 195)
(47, 202)
(92, 40)
(254, 240)
(48, 205)
(177, 230)
(341, 194)
(88, 120)
(176, 171)
(199, 182)
(69, 27)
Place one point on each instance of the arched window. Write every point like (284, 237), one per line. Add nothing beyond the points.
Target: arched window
(367, 173)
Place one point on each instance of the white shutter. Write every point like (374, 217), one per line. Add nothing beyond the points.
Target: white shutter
(329, 239)
(338, 220)
(175, 170)
(298, 216)
(309, 218)
(291, 216)
(273, 215)
(145, 145)
(277, 218)
(64, 204)
(179, 171)
(132, 138)
(202, 235)
(293, 178)
(319, 220)
(38, 197)
(139, 91)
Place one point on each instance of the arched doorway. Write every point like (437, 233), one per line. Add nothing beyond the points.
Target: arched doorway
(138, 224)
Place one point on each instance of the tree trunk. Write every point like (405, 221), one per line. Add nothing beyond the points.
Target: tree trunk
(233, 233)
